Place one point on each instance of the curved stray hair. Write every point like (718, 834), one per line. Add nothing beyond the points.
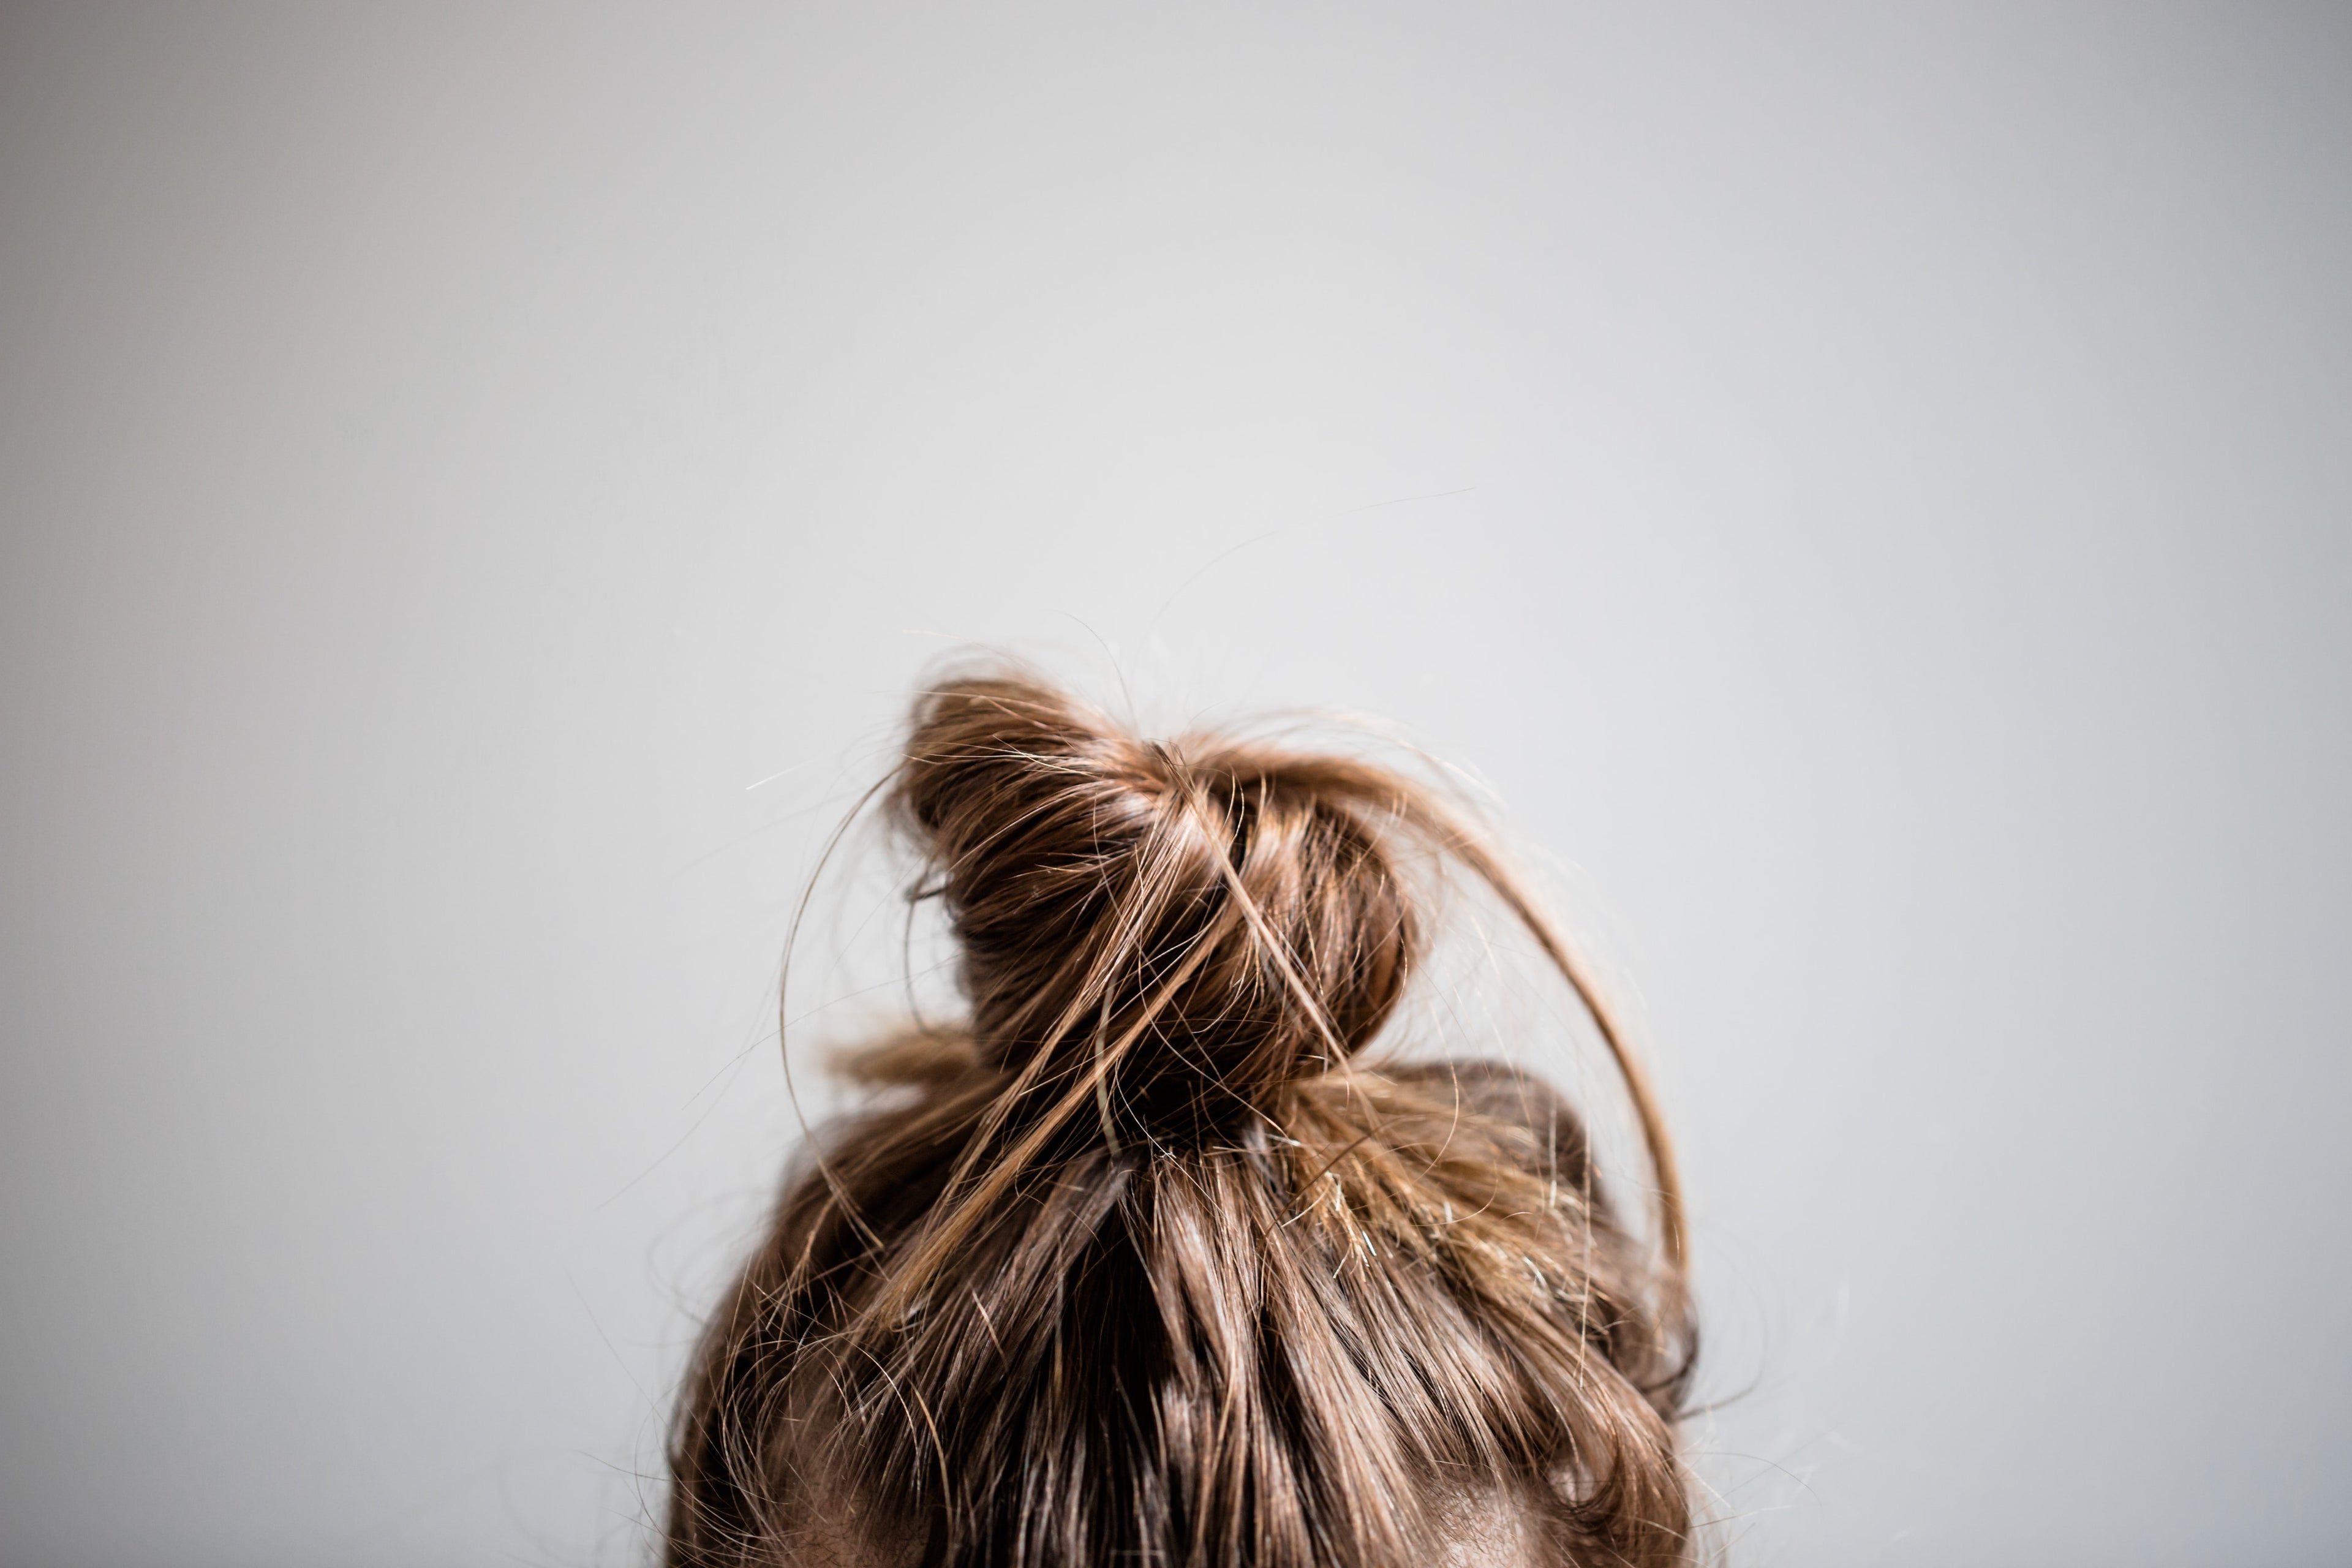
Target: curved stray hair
(1143, 1262)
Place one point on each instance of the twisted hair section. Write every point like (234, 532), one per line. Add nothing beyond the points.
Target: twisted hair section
(1145, 1260)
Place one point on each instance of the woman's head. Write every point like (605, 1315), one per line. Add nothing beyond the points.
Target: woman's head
(1144, 1261)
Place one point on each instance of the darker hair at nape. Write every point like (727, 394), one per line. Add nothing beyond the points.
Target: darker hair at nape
(1143, 1262)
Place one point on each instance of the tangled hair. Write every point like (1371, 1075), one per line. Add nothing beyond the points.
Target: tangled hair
(1142, 1264)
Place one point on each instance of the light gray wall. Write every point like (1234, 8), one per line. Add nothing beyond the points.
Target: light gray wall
(1869, 487)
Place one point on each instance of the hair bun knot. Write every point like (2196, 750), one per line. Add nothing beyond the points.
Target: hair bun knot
(1188, 924)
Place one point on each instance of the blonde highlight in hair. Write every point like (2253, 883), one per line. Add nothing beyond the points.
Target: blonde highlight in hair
(1144, 1262)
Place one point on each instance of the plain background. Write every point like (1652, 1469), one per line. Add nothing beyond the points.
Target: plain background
(1869, 490)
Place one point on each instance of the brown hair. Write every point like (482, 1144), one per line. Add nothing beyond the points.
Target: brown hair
(1145, 1263)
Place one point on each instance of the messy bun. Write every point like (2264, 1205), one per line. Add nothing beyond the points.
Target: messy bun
(1204, 923)
(1148, 1261)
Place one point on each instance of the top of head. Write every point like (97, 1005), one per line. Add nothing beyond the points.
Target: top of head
(1188, 926)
